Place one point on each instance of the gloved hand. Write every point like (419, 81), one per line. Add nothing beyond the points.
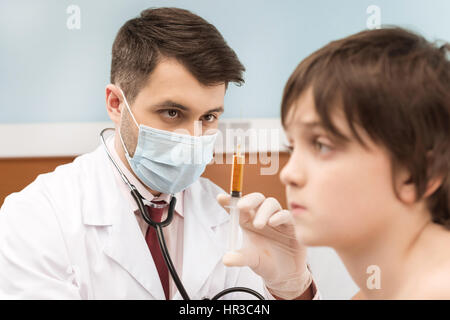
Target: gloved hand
(269, 245)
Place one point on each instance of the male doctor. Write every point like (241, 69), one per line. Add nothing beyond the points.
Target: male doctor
(76, 233)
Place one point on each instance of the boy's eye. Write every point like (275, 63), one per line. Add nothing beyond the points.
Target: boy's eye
(321, 147)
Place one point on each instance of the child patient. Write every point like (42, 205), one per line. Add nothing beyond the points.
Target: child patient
(368, 123)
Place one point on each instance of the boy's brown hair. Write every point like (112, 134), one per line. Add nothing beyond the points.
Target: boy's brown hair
(172, 33)
(395, 85)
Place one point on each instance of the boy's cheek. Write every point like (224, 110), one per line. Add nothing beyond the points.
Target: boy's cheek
(340, 213)
(346, 200)
(336, 216)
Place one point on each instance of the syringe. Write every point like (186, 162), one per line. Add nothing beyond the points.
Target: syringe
(237, 173)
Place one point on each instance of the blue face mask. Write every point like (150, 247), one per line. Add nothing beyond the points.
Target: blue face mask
(166, 161)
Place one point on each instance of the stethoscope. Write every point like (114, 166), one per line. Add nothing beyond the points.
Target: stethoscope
(159, 231)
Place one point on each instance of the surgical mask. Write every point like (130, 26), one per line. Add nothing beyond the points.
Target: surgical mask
(166, 161)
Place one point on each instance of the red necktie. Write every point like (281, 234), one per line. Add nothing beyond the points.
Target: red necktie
(152, 241)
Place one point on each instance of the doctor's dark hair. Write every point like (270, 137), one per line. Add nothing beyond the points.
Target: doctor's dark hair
(173, 33)
(395, 86)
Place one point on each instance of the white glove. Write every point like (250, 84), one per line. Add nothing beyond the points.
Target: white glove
(269, 246)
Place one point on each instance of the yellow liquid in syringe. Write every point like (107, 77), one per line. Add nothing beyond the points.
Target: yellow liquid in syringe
(237, 174)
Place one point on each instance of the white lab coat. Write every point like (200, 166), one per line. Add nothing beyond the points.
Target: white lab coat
(71, 234)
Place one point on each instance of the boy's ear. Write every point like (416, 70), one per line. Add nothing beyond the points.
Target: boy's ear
(436, 180)
(406, 189)
(433, 185)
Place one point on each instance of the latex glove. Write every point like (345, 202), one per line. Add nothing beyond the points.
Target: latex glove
(269, 245)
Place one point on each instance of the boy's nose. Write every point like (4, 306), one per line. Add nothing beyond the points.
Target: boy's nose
(293, 174)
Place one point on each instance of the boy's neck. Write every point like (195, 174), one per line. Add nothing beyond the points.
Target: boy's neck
(387, 255)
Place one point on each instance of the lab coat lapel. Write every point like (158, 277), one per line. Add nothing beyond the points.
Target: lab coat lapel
(202, 249)
(127, 246)
(125, 243)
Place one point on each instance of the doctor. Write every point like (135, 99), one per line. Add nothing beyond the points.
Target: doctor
(76, 233)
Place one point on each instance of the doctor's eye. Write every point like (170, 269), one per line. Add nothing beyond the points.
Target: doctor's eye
(170, 113)
(210, 117)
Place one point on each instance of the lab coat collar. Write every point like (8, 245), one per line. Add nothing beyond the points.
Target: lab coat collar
(101, 197)
(106, 205)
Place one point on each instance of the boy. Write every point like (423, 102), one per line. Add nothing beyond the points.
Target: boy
(368, 122)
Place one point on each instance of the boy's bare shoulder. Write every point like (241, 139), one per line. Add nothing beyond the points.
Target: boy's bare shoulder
(433, 284)
(359, 296)
(433, 281)
(438, 283)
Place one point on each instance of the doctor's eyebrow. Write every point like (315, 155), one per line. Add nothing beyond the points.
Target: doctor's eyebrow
(172, 104)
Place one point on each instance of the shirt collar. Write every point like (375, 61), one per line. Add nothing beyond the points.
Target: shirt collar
(138, 184)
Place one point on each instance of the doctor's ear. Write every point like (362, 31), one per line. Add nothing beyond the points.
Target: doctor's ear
(113, 103)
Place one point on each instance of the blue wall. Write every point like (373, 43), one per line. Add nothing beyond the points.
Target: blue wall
(49, 73)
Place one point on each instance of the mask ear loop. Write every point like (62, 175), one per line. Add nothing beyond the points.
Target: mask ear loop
(132, 116)
(128, 107)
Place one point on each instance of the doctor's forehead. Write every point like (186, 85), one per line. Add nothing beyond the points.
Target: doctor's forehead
(172, 83)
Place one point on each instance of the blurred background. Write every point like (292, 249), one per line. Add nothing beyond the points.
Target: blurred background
(55, 62)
